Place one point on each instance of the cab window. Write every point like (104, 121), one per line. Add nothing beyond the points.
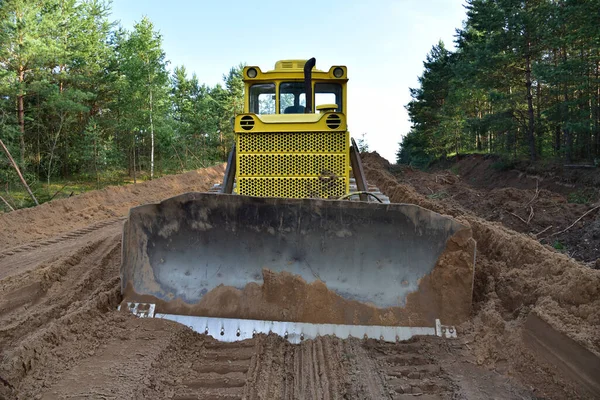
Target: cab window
(292, 98)
(262, 98)
(328, 93)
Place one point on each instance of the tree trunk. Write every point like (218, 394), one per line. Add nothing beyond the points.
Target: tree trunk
(557, 139)
(530, 115)
(134, 171)
(21, 112)
(566, 118)
(566, 131)
(7, 204)
(457, 144)
(16, 167)
(62, 119)
(516, 142)
(539, 130)
(96, 158)
(478, 134)
(151, 140)
(597, 112)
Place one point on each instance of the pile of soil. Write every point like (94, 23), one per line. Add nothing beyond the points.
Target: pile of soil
(287, 297)
(515, 275)
(59, 290)
(534, 203)
(62, 215)
(489, 171)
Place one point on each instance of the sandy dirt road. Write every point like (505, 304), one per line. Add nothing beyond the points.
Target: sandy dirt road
(62, 338)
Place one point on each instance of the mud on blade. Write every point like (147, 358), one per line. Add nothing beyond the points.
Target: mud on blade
(301, 260)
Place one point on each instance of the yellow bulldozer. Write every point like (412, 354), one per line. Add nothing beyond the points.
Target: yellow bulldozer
(295, 241)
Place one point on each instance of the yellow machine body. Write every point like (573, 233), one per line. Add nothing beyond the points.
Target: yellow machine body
(282, 247)
(293, 155)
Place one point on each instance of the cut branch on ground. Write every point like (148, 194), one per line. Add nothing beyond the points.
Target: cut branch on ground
(573, 224)
(16, 167)
(7, 204)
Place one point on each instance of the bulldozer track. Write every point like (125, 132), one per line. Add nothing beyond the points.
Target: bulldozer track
(218, 373)
(409, 371)
(268, 367)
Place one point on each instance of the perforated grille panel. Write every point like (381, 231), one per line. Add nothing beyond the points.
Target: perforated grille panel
(292, 187)
(293, 142)
(292, 164)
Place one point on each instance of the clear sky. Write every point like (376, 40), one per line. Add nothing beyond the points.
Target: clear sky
(382, 42)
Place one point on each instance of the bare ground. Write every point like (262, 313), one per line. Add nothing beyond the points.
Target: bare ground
(62, 338)
(544, 204)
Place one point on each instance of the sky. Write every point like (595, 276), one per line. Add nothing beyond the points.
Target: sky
(382, 42)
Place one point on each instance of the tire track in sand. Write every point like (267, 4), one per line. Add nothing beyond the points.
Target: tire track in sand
(57, 239)
(49, 291)
(408, 370)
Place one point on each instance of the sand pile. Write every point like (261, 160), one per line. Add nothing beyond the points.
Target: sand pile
(515, 275)
(54, 217)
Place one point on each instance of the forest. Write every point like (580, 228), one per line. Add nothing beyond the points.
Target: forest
(83, 98)
(523, 82)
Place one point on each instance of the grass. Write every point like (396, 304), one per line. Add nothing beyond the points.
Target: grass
(59, 188)
(580, 197)
(18, 197)
(467, 152)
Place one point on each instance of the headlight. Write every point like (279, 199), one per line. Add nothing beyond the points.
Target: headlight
(251, 73)
(338, 72)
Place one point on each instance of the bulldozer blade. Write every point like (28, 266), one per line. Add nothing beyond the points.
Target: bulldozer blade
(298, 260)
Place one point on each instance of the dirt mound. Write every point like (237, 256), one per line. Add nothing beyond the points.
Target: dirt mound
(58, 296)
(287, 297)
(525, 204)
(514, 276)
(489, 171)
(55, 217)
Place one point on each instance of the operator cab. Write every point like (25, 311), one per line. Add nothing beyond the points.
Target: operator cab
(283, 90)
(292, 97)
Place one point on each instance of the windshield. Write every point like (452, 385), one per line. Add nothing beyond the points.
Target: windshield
(292, 98)
(262, 98)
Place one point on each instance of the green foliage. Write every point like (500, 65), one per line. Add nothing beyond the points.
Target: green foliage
(558, 245)
(523, 82)
(414, 151)
(362, 144)
(94, 99)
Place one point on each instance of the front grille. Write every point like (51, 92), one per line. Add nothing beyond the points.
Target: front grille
(293, 142)
(292, 164)
(292, 187)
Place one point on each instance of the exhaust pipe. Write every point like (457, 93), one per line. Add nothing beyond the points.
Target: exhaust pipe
(308, 84)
